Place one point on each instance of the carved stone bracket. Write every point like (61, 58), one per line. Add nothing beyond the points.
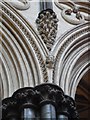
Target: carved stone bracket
(38, 98)
(50, 60)
(47, 27)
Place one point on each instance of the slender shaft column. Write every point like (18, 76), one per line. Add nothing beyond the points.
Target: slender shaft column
(63, 114)
(46, 4)
(28, 113)
(62, 117)
(47, 105)
(24, 97)
(48, 111)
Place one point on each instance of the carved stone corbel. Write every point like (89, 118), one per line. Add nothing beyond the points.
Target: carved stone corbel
(50, 61)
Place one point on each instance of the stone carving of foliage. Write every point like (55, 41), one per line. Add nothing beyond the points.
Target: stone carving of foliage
(47, 27)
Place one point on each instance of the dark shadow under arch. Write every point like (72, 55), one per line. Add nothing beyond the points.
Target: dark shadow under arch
(83, 96)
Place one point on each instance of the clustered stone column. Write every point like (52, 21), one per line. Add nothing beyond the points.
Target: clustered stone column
(45, 101)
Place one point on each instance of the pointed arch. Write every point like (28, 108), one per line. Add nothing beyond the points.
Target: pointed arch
(71, 53)
(23, 53)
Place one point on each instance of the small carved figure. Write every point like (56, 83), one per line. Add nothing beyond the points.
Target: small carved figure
(50, 61)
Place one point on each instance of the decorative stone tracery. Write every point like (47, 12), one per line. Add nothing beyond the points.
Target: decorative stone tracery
(67, 15)
(74, 12)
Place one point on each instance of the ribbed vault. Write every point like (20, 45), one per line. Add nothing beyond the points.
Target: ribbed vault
(22, 57)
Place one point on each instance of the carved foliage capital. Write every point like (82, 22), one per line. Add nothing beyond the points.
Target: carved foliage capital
(38, 96)
(70, 104)
(24, 95)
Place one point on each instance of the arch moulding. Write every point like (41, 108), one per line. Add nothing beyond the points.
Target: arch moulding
(71, 52)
